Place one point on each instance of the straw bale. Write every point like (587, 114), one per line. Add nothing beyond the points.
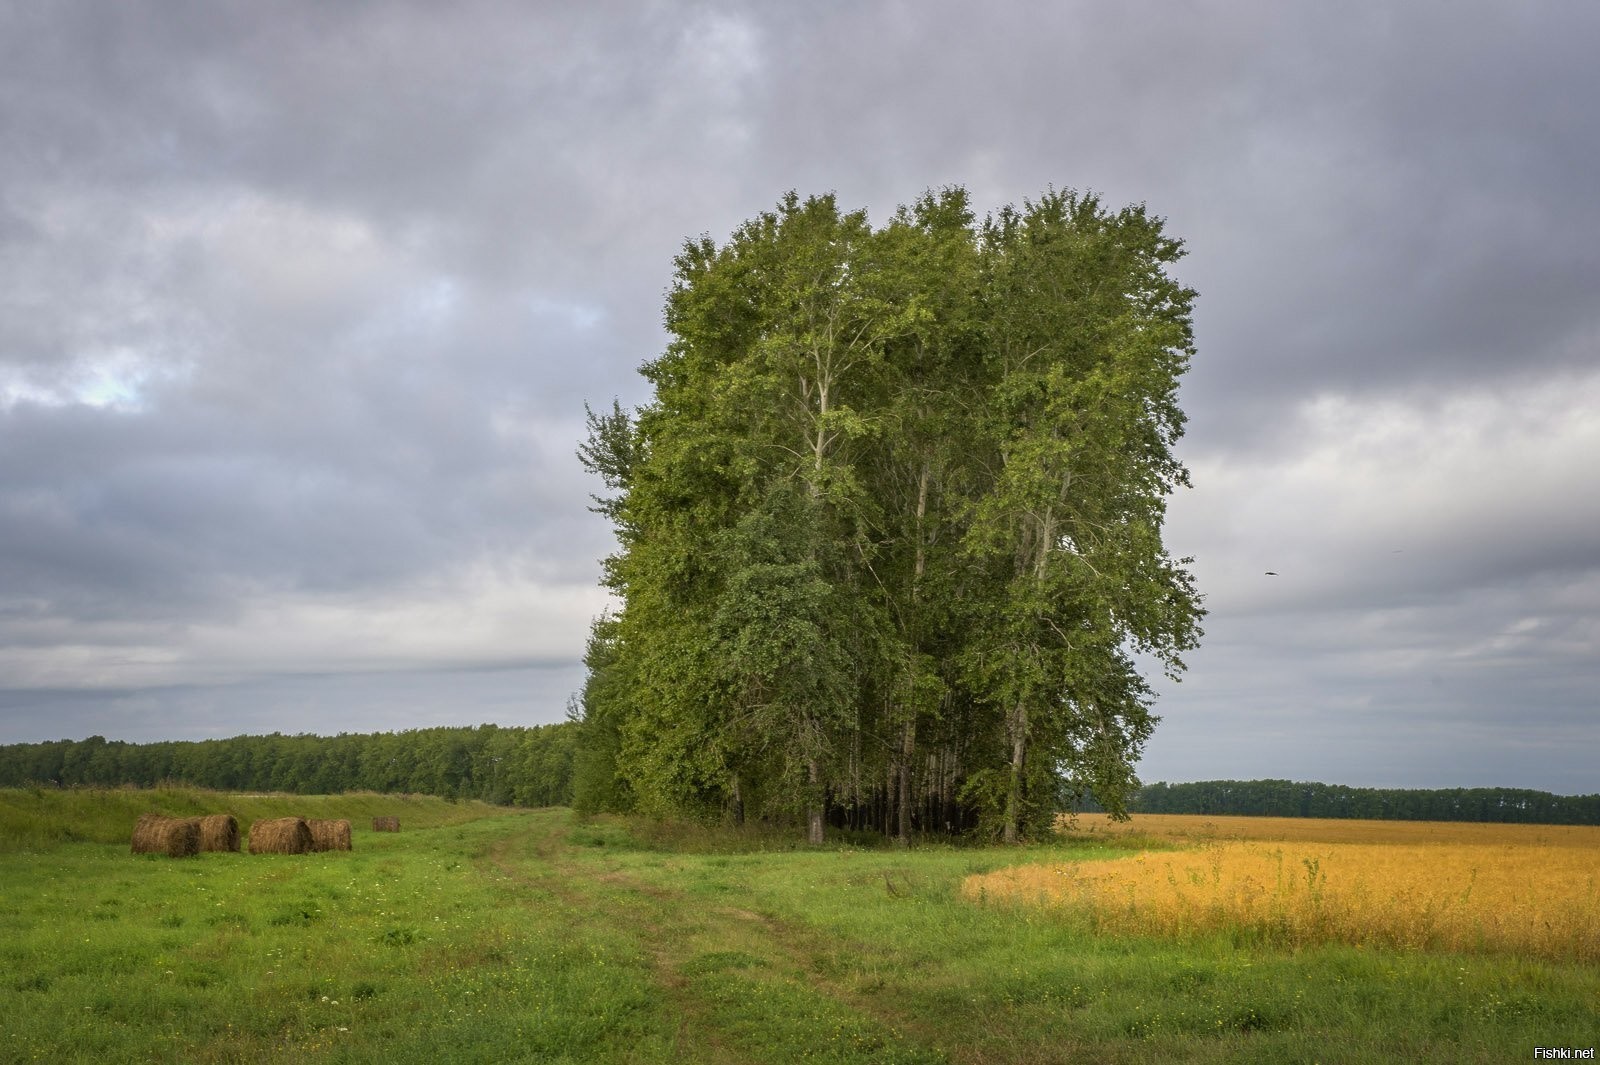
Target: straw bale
(280, 835)
(176, 837)
(328, 835)
(219, 832)
(385, 824)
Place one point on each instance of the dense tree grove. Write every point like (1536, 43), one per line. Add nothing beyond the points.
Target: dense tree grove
(520, 766)
(891, 525)
(1283, 798)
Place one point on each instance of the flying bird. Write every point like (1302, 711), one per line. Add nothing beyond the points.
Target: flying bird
(1272, 573)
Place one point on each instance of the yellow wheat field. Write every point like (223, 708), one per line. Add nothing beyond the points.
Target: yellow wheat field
(1495, 888)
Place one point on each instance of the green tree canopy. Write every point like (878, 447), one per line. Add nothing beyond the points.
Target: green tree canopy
(890, 528)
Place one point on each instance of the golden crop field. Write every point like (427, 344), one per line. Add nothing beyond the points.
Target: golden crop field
(1524, 889)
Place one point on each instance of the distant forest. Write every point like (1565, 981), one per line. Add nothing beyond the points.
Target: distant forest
(534, 767)
(1283, 798)
(508, 766)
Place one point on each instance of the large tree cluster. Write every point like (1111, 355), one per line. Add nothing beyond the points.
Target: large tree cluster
(891, 527)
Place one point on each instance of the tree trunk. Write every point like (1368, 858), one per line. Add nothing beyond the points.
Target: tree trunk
(908, 735)
(814, 810)
(908, 748)
(1019, 750)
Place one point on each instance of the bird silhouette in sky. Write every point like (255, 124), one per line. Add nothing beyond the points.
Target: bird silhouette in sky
(1272, 573)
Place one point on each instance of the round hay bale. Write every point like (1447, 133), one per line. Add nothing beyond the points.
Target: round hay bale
(176, 837)
(280, 835)
(219, 832)
(385, 824)
(148, 837)
(329, 835)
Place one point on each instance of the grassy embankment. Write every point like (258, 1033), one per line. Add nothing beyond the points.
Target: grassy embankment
(41, 818)
(527, 937)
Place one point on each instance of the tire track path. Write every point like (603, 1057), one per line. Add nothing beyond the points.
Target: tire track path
(747, 986)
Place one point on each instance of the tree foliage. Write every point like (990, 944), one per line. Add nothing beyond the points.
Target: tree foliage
(890, 528)
(1284, 798)
(509, 766)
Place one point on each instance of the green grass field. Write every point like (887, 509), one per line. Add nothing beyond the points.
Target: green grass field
(484, 935)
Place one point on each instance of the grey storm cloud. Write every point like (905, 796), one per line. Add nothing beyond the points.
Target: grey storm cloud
(300, 305)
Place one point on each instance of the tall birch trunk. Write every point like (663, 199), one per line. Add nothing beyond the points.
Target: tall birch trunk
(908, 748)
(1019, 750)
(814, 808)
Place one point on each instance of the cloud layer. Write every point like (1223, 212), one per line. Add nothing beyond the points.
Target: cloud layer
(299, 307)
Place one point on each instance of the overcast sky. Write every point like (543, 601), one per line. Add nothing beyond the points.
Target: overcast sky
(300, 304)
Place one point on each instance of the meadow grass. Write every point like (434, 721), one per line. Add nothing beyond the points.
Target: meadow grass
(535, 937)
(401, 950)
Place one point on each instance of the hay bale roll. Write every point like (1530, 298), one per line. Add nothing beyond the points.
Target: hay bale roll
(329, 835)
(176, 837)
(280, 835)
(385, 824)
(219, 832)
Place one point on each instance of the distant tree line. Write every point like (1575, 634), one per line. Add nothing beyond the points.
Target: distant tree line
(1284, 798)
(508, 766)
